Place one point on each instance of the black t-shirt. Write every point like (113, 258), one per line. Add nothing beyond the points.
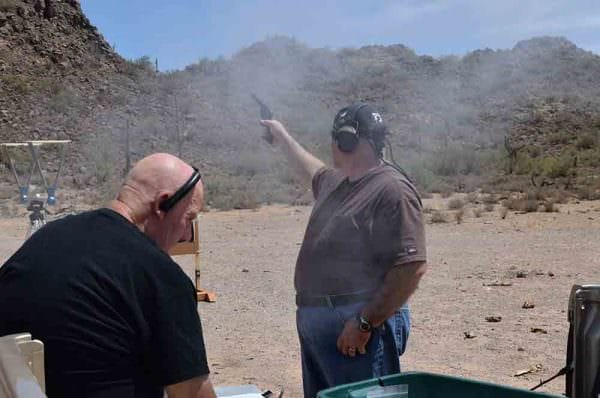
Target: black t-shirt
(118, 318)
(358, 231)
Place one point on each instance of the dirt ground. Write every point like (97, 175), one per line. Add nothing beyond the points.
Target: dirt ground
(248, 260)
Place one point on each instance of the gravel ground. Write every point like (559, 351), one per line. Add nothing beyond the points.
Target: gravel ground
(248, 260)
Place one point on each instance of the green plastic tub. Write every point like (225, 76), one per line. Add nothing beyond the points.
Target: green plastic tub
(427, 385)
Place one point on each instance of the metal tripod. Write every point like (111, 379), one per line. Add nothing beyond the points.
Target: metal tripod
(36, 206)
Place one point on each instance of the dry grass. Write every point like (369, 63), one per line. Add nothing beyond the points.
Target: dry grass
(437, 217)
(550, 207)
(237, 199)
(522, 204)
(14, 82)
(472, 197)
(530, 206)
(588, 193)
(512, 203)
(490, 199)
(560, 196)
(7, 5)
(456, 204)
(459, 215)
(224, 193)
(536, 195)
(445, 194)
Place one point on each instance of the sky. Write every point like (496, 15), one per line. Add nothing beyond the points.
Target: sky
(180, 32)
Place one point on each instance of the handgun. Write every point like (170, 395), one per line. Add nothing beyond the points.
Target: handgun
(265, 114)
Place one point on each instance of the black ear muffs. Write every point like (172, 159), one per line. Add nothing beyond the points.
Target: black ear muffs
(347, 139)
(346, 129)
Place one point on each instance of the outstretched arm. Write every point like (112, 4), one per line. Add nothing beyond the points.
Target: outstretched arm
(303, 164)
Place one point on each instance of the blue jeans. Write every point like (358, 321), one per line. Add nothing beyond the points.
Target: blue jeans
(323, 366)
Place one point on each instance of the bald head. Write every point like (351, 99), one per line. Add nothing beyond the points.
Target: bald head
(151, 182)
(158, 172)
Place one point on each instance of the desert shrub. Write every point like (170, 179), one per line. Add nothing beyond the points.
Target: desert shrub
(437, 217)
(514, 184)
(490, 199)
(477, 212)
(228, 192)
(512, 203)
(488, 207)
(20, 156)
(459, 215)
(549, 206)
(251, 163)
(455, 160)
(456, 204)
(8, 5)
(503, 212)
(590, 157)
(441, 187)
(536, 194)
(62, 101)
(559, 138)
(524, 164)
(18, 83)
(555, 167)
(472, 197)
(587, 141)
(534, 151)
(587, 193)
(523, 204)
(139, 67)
(557, 196)
(492, 160)
(103, 158)
(424, 178)
(529, 206)
(236, 199)
(48, 85)
(445, 194)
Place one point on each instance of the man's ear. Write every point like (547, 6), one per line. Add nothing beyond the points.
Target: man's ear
(160, 197)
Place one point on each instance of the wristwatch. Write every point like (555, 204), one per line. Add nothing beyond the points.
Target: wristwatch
(363, 324)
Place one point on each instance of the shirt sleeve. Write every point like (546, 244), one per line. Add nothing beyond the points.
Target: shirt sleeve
(324, 180)
(399, 231)
(178, 351)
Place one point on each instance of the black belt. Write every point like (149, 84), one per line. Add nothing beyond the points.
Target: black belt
(332, 301)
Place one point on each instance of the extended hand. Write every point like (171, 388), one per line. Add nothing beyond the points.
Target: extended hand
(352, 340)
(277, 130)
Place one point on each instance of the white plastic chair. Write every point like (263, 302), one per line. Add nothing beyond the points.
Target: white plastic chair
(21, 367)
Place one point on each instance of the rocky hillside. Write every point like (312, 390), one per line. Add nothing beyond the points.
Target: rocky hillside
(516, 119)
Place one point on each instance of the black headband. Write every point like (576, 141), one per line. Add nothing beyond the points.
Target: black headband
(168, 203)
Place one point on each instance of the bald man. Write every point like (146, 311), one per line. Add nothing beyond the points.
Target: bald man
(117, 316)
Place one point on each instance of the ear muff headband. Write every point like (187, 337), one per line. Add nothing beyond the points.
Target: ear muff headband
(168, 203)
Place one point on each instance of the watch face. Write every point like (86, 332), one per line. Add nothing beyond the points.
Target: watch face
(364, 325)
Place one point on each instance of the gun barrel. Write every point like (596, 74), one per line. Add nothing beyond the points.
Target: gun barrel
(265, 112)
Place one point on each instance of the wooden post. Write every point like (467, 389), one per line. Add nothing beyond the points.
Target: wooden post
(193, 248)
